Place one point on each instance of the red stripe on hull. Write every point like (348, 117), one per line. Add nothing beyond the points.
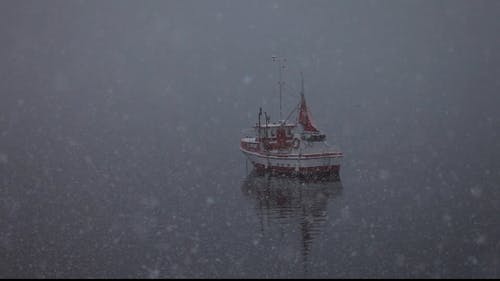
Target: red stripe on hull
(320, 169)
(309, 171)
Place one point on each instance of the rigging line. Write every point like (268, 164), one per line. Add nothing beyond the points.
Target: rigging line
(291, 94)
(289, 115)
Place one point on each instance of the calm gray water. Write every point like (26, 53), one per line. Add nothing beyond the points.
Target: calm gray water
(120, 124)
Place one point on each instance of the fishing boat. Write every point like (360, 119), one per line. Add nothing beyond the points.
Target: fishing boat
(291, 147)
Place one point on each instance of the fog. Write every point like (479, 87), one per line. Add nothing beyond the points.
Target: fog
(120, 124)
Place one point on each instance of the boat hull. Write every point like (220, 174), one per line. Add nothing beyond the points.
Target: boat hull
(323, 164)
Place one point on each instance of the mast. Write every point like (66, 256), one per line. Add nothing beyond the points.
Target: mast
(260, 114)
(281, 65)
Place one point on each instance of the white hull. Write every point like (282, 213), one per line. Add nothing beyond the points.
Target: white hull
(295, 163)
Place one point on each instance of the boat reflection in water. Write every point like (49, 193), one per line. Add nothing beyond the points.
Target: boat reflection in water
(297, 207)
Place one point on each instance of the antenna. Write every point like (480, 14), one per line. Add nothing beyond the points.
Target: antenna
(281, 64)
(301, 83)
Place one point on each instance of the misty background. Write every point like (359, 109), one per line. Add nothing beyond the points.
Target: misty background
(120, 124)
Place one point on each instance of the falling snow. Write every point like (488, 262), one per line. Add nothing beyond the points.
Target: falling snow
(120, 125)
